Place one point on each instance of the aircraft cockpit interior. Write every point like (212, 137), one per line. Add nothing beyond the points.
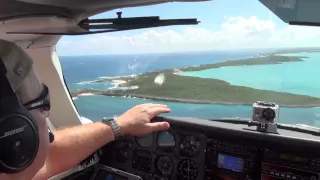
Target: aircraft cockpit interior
(228, 149)
(193, 148)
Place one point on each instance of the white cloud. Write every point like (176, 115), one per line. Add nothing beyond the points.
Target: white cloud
(235, 33)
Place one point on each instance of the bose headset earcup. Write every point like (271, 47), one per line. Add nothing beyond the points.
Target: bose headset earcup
(19, 138)
(19, 142)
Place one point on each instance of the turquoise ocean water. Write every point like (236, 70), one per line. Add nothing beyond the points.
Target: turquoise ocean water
(295, 77)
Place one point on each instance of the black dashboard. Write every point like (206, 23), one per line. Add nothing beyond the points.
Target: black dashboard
(194, 149)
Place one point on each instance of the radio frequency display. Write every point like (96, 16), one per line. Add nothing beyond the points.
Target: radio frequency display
(231, 163)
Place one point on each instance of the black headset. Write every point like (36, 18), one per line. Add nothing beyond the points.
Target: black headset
(19, 138)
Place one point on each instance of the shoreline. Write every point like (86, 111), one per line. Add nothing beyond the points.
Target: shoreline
(77, 93)
(201, 90)
(262, 59)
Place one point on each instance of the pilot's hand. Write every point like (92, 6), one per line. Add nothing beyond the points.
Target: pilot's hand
(136, 121)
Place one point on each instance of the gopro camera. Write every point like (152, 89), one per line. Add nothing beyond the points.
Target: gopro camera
(265, 112)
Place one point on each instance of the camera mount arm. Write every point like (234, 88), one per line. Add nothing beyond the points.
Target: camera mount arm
(264, 127)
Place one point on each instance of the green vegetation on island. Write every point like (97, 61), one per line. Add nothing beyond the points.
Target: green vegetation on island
(204, 90)
(263, 60)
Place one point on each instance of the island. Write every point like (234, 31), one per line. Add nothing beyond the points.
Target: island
(185, 89)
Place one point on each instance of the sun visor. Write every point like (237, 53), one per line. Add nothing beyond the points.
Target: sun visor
(94, 26)
(295, 12)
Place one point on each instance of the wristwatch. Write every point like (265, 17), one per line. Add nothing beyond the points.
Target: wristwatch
(113, 123)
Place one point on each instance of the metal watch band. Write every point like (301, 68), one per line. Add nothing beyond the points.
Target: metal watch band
(113, 123)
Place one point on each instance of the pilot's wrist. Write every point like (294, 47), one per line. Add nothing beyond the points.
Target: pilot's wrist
(115, 125)
(124, 127)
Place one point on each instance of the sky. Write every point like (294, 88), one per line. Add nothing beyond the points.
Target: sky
(225, 25)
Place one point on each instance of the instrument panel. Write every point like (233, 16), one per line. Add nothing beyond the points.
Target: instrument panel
(162, 155)
(189, 152)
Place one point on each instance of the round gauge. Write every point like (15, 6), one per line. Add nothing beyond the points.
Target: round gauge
(189, 146)
(187, 170)
(166, 140)
(145, 141)
(165, 165)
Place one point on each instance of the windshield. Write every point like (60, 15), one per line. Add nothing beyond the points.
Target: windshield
(240, 53)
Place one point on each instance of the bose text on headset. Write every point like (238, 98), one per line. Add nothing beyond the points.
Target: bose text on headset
(19, 137)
